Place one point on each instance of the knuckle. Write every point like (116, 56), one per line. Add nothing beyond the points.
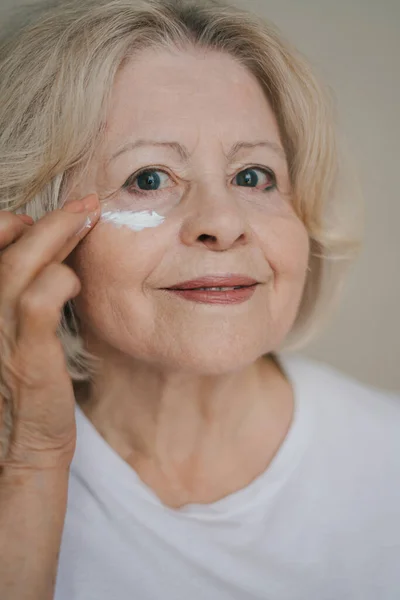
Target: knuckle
(64, 275)
(61, 268)
(34, 303)
(70, 278)
(44, 298)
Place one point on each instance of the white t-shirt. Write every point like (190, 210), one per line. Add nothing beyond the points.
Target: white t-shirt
(321, 523)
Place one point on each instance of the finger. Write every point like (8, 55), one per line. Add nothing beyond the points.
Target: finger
(39, 307)
(26, 219)
(42, 244)
(74, 241)
(11, 228)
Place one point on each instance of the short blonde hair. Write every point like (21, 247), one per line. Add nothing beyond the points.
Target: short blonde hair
(57, 68)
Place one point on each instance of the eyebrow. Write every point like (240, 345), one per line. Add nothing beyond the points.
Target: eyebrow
(184, 154)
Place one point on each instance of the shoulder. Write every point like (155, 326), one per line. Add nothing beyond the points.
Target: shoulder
(349, 472)
(331, 384)
(350, 413)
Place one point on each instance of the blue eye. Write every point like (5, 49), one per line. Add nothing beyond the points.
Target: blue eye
(249, 178)
(148, 180)
(151, 180)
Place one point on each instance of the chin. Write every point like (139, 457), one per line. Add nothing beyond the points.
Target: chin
(216, 358)
(211, 365)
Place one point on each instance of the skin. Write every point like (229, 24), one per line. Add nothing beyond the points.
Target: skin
(184, 394)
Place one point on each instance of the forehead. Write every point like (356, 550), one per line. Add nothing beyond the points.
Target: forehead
(188, 93)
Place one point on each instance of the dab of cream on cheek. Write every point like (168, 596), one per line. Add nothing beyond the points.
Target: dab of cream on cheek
(136, 221)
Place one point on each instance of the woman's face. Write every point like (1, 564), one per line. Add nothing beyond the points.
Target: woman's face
(222, 213)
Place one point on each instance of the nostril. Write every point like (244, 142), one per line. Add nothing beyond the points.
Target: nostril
(204, 236)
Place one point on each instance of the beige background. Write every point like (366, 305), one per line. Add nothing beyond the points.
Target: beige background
(355, 46)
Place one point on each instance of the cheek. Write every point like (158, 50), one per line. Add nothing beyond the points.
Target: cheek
(286, 246)
(110, 260)
(112, 265)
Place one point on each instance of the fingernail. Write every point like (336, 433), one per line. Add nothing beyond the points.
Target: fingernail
(87, 225)
(90, 219)
(26, 219)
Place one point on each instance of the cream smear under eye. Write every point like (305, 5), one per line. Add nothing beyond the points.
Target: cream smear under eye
(136, 221)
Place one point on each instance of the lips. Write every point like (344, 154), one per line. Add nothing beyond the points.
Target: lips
(211, 281)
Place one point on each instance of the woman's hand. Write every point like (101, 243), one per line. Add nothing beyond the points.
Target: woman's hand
(37, 404)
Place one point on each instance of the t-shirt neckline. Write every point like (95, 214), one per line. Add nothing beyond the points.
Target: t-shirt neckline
(98, 464)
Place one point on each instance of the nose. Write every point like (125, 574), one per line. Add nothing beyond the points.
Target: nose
(215, 219)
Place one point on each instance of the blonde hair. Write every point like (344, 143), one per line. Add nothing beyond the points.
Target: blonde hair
(57, 68)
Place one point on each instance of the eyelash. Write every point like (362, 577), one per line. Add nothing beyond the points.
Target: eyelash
(129, 182)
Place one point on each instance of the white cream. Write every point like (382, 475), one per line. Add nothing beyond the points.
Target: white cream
(133, 220)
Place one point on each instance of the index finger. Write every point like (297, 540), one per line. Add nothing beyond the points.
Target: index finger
(44, 243)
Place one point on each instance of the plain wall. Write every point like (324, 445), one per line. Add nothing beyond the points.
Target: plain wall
(355, 47)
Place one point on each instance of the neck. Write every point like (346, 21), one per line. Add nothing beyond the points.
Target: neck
(191, 437)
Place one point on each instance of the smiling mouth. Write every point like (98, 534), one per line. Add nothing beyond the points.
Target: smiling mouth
(223, 295)
(217, 289)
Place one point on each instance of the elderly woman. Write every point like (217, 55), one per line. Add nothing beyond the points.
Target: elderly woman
(167, 174)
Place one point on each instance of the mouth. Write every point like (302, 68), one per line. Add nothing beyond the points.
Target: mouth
(216, 295)
(216, 283)
(212, 289)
